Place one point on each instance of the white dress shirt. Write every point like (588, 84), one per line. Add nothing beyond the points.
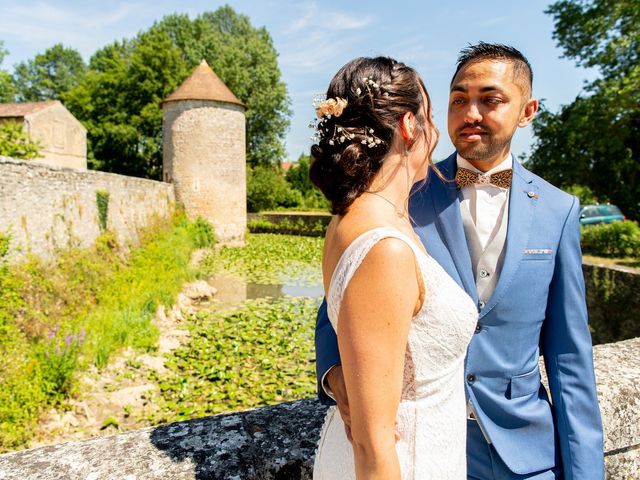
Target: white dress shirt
(485, 202)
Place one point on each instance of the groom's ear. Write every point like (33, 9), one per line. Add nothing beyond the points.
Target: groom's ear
(528, 112)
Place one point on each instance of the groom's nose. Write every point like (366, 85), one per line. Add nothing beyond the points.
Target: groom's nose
(472, 115)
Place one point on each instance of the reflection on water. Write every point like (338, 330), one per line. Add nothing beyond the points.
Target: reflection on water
(233, 290)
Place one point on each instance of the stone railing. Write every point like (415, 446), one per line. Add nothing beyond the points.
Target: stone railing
(279, 442)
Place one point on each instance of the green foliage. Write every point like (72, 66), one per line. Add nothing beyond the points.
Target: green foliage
(59, 360)
(202, 233)
(599, 33)
(617, 239)
(16, 143)
(118, 100)
(45, 308)
(49, 75)
(7, 88)
(268, 189)
(298, 227)
(102, 203)
(259, 355)
(269, 259)
(298, 178)
(595, 140)
(584, 194)
(244, 58)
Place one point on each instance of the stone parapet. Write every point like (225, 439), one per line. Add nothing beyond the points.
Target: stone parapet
(279, 442)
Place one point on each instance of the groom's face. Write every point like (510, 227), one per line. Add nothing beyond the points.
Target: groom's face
(486, 104)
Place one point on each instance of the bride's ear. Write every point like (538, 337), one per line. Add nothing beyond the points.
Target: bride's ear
(407, 126)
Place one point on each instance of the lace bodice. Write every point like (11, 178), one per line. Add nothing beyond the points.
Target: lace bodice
(432, 413)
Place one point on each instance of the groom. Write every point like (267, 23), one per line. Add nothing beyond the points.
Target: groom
(512, 241)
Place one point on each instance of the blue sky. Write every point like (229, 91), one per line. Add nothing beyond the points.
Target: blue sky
(315, 38)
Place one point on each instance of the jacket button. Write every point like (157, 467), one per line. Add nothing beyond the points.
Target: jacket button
(471, 378)
(481, 304)
(478, 328)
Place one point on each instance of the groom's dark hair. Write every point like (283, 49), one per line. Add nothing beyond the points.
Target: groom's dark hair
(496, 51)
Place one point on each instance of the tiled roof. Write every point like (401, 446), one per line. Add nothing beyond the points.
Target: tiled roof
(203, 84)
(22, 109)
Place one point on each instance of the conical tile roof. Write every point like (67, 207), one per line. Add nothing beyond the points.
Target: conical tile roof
(203, 84)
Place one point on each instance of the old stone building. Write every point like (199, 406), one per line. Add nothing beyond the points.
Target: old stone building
(204, 152)
(62, 138)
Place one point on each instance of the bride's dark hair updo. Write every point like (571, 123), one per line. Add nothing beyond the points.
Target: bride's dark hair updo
(352, 145)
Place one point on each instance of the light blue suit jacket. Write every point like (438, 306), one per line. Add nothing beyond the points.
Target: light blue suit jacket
(538, 307)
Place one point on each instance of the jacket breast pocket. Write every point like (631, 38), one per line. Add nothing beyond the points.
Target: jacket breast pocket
(537, 254)
(525, 384)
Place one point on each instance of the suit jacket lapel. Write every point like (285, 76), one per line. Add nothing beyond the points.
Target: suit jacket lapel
(523, 198)
(446, 204)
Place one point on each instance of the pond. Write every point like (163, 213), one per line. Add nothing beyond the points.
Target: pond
(254, 344)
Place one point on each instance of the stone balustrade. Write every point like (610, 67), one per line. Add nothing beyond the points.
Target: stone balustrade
(278, 442)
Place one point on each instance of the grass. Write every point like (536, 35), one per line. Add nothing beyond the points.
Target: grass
(57, 318)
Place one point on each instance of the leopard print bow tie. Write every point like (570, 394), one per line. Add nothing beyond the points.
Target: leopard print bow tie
(465, 178)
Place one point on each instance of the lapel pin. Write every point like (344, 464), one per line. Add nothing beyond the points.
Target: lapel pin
(532, 194)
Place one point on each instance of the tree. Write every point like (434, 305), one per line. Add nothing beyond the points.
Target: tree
(49, 75)
(595, 140)
(245, 59)
(298, 178)
(118, 100)
(267, 189)
(7, 89)
(16, 143)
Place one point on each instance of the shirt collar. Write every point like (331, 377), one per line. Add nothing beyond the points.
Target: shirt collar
(505, 164)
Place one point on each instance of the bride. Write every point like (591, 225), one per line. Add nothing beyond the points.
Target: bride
(402, 323)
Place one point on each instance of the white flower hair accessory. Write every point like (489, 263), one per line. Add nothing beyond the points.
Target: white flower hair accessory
(331, 107)
(334, 107)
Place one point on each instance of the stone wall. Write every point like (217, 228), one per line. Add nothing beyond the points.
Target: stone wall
(47, 208)
(613, 299)
(279, 442)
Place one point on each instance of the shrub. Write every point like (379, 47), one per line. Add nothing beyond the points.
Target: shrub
(267, 189)
(618, 239)
(202, 233)
(584, 193)
(16, 143)
(298, 178)
(299, 227)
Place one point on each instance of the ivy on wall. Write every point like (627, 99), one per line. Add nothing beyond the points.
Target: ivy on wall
(102, 202)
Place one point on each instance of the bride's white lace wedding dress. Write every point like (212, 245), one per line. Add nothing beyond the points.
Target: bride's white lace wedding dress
(431, 417)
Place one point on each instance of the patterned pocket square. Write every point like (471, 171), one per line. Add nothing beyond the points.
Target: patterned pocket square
(537, 251)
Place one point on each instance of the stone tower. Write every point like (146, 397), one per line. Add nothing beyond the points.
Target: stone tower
(204, 152)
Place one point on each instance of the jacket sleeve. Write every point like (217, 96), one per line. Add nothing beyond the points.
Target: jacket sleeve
(327, 354)
(568, 356)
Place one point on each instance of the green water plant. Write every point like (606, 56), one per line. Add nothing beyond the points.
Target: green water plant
(260, 354)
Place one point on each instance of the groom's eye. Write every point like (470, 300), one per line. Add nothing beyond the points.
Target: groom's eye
(493, 100)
